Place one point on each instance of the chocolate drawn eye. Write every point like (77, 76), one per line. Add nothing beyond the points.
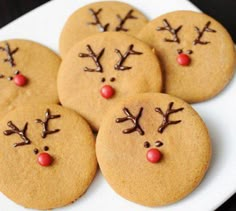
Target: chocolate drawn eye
(36, 151)
(158, 143)
(180, 51)
(189, 52)
(46, 148)
(103, 80)
(146, 144)
(112, 79)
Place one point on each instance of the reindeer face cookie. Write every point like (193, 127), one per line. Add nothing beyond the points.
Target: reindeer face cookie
(196, 52)
(47, 156)
(103, 68)
(100, 17)
(153, 149)
(28, 73)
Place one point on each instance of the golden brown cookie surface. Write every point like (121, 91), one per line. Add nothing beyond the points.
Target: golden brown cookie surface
(153, 149)
(99, 17)
(28, 73)
(103, 68)
(196, 52)
(47, 156)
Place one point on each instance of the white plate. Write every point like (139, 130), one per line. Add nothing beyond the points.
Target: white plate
(44, 25)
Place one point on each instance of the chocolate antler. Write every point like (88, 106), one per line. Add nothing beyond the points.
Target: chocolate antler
(97, 21)
(166, 122)
(123, 20)
(44, 123)
(130, 51)
(133, 119)
(94, 57)
(9, 53)
(201, 33)
(21, 133)
(174, 32)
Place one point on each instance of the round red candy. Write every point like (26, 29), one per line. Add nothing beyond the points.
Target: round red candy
(44, 159)
(183, 59)
(153, 155)
(107, 91)
(20, 80)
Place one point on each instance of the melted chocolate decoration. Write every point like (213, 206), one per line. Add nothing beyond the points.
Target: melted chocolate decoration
(10, 53)
(94, 57)
(46, 148)
(130, 51)
(167, 27)
(112, 79)
(36, 151)
(102, 28)
(146, 144)
(201, 33)
(21, 133)
(189, 52)
(10, 59)
(17, 72)
(103, 80)
(133, 119)
(129, 15)
(44, 123)
(1, 76)
(158, 143)
(166, 122)
(179, 51)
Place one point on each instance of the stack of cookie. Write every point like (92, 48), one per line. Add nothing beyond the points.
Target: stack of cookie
(152, 147)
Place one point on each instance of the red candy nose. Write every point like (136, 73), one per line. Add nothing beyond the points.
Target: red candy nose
(153, 155)
(183, 59)
(44, 159)
(107, 91)
(20, 80)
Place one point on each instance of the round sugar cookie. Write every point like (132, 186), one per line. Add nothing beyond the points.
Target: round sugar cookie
(101, 69)
(28, 73)
(47, 156)
(99, 17)
(153, 149)
(196, 52)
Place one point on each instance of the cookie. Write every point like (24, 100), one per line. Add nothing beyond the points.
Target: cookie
(100, 17)
(153, 149)
(28, 73)
(101, 69)
(196, 52)
(47, 156)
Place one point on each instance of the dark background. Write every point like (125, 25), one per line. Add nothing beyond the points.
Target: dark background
(222, 10)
